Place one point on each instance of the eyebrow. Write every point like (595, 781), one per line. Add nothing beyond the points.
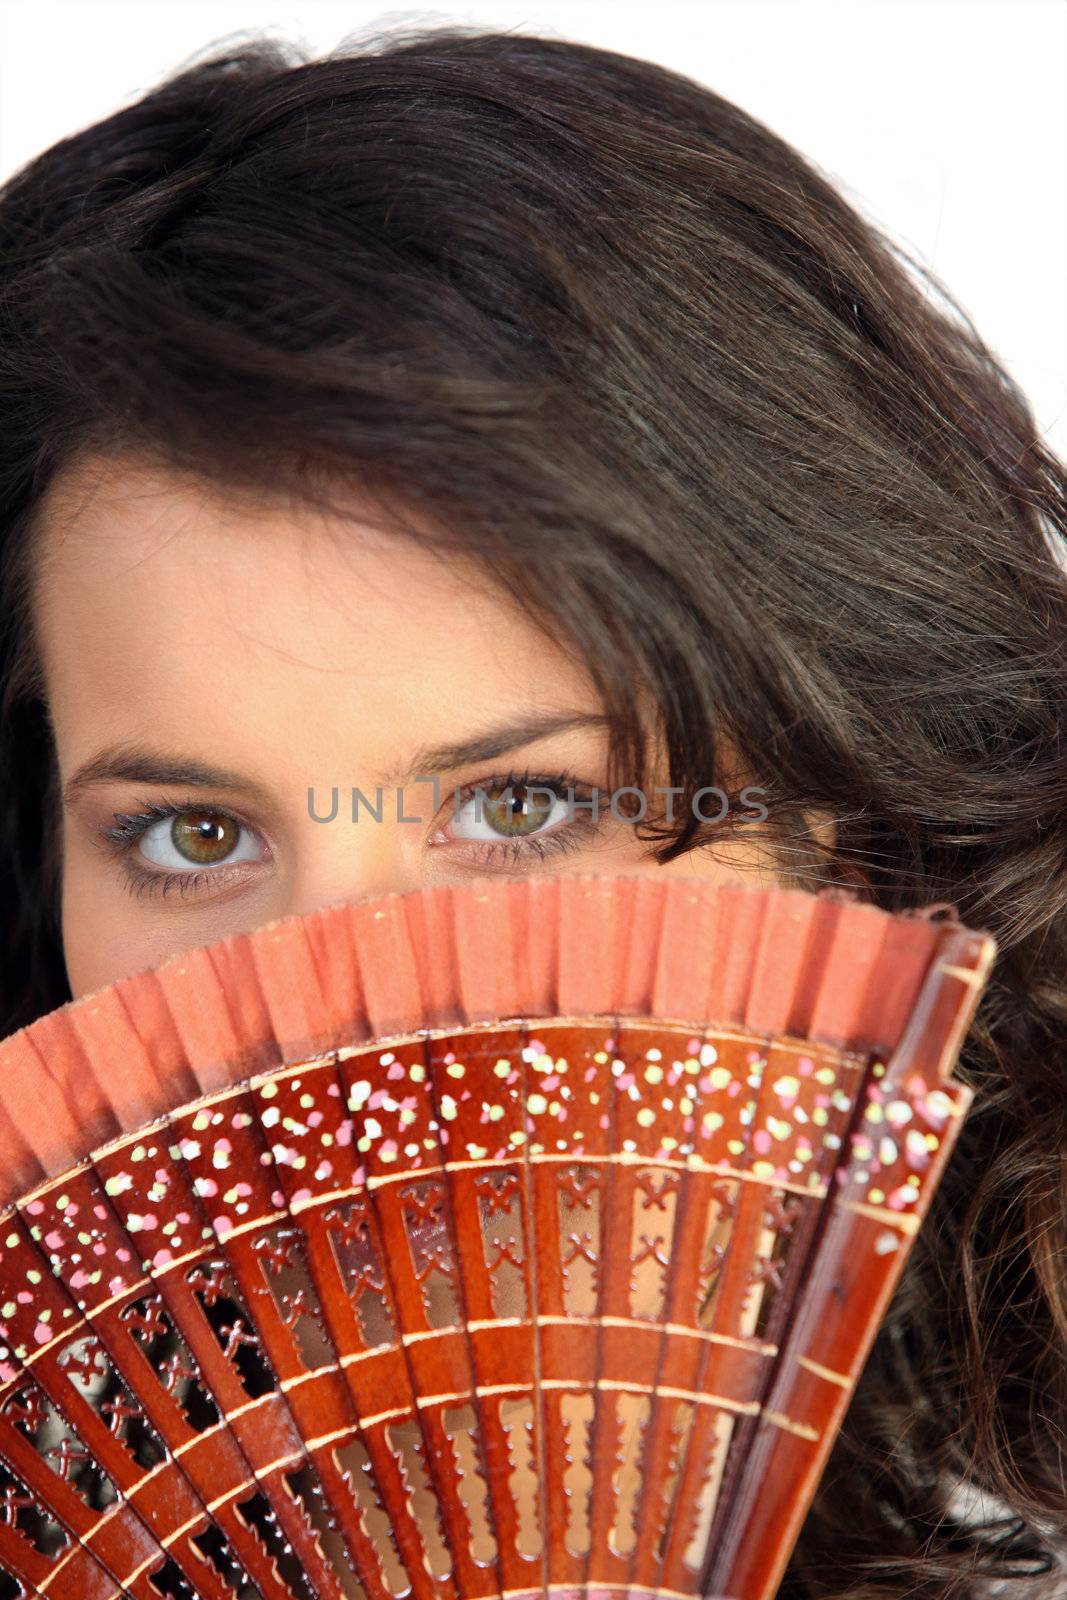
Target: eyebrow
(498, 741)
(137, 764)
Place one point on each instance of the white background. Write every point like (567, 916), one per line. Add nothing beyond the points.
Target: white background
(944, 121)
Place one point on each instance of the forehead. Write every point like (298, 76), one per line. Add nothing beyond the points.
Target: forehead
(158, 596)
(119, 532)
(125, 520)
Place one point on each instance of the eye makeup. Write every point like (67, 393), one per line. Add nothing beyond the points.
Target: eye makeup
(157, 825)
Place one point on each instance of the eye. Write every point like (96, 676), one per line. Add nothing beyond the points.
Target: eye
(194, 839)
(510, 811)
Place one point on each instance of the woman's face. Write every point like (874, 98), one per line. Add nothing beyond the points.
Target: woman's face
(207, 664)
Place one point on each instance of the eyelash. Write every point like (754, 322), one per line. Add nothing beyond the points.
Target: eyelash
(122, 837)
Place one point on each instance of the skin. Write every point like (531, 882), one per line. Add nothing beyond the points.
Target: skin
(257, 639)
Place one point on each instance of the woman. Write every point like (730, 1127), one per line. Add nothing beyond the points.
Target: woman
(509, 411)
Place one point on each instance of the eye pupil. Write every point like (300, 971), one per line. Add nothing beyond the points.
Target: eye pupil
(517, 813)
(203, 836)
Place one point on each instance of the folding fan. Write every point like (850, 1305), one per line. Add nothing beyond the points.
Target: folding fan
(521, 1236)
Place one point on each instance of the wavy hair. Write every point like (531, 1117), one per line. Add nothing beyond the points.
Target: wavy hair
(583, 319)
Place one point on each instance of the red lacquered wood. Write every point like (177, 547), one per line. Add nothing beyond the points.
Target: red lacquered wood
(485, 1293)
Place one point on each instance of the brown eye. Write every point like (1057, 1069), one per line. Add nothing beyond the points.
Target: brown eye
(526, 810)
(198, 837)
(204, 837)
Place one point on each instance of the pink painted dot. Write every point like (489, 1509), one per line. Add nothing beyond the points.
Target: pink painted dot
(605, 1120)
(42, 1333)
(101, 1212)
(35, 1208)
(343, 1135)
(805, 1066)
(397, 1070)
(299, 1195)
(123, 1254)
(54, 1240)
(222, 1225)
(277, 1200)
(314, 1118)
(733, 1089)
(761, 1140)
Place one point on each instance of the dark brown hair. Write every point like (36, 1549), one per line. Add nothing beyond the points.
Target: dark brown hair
(581, 318)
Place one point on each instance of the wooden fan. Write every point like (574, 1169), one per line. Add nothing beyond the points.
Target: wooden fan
(517, 1237)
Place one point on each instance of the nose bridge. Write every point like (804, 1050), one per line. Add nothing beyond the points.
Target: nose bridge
(348, 852)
